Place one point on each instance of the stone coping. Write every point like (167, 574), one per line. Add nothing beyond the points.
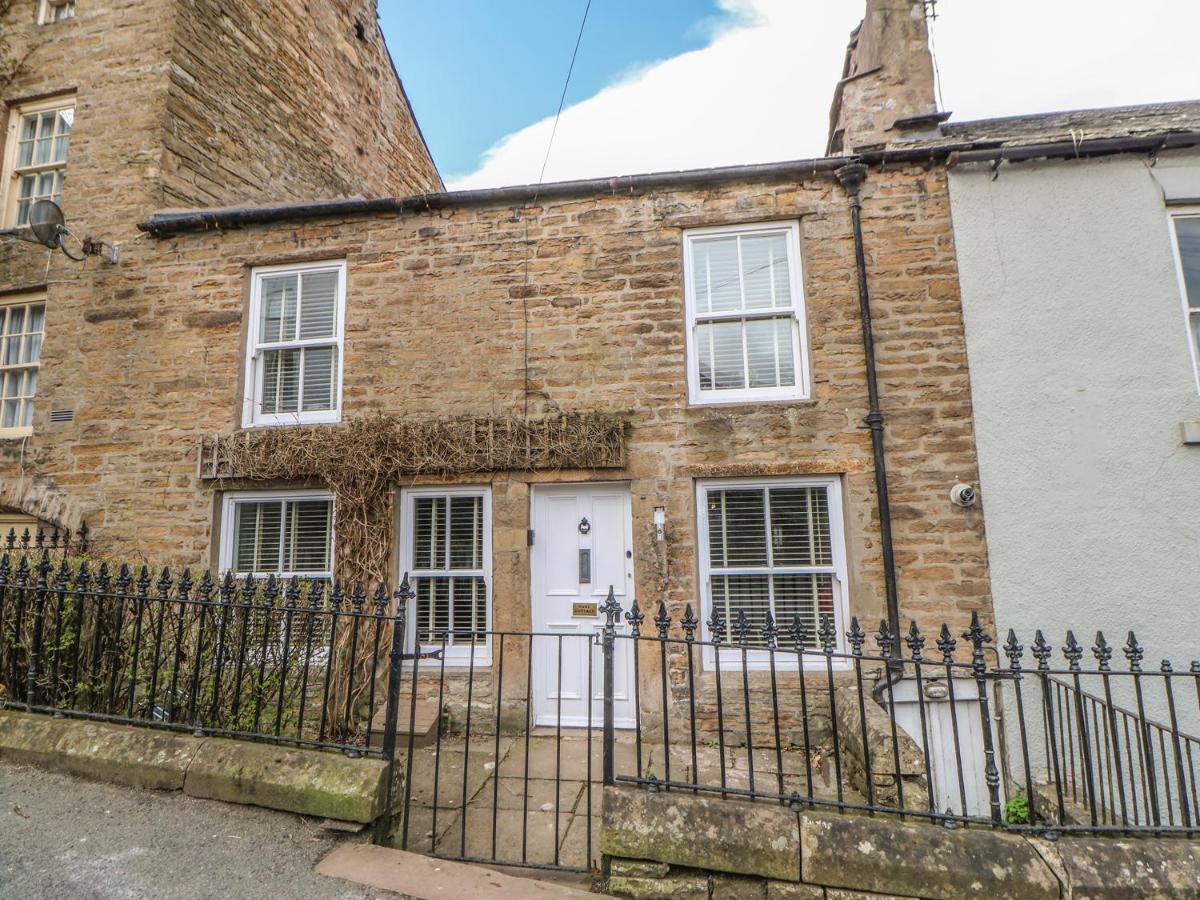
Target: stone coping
(308, 782)
(672, 844)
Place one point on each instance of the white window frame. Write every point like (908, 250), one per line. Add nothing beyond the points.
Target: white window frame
(758, 660)
(33, 298)
(252, 416)
(231, 498)
(798, 391)
(46, 11)
(9, 178)
(1189, 312)
(455, 656)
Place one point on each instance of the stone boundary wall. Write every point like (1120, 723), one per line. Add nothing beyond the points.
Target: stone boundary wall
(680, 845)
(308, 782)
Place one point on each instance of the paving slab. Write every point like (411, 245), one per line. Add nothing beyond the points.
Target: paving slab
(421, 877)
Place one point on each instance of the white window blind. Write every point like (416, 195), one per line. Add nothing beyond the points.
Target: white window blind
(55, 11)
(449, 566)
(295, 358)
(770, 548)
(281, 536)
(22, 326)
(744, 304)
(39, 165)
(1187, 233)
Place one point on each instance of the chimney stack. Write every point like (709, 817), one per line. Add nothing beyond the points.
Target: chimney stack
(887, 89)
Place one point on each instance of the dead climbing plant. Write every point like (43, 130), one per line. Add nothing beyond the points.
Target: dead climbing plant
(364, 460)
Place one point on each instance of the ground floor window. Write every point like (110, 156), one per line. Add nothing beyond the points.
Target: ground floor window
(445, 539)
(280, 533)
(772, 546)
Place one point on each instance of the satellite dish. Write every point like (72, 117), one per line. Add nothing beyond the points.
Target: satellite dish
(48, 224)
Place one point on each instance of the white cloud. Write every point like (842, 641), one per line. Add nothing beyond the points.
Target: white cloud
(760, 90)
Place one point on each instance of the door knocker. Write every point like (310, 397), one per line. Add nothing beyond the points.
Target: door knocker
(584, 525)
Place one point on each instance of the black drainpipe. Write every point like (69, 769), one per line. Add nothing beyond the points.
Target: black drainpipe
(851, 177)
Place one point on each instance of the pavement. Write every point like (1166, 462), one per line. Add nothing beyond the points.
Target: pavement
(61, 837)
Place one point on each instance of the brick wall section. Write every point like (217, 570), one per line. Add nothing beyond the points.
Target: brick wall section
(435, 327)
(280, 99)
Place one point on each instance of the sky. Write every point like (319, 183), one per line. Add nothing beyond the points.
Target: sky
(677, 84)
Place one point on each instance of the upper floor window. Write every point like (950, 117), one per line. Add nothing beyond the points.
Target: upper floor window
(745, 314)
(35, 165)
(294, 351)
(50, 11)
(22, 324)
(1187, 237)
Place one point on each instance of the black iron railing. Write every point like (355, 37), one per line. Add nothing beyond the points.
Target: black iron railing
(876, 724)
(302, 663)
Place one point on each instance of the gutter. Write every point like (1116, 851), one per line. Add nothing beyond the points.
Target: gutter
(164, 224)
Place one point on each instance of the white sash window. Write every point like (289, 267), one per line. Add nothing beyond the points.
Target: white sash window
(446, 550)
(294, 363)
(745, 314)
(772, 546)
(282, 533)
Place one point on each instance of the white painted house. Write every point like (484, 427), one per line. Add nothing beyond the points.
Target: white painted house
(1078, 246)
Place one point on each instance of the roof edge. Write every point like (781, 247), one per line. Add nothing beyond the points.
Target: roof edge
(165, 223)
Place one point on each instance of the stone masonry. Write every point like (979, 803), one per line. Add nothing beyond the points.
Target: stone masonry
(182, 102)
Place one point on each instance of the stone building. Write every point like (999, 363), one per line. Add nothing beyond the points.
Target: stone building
(658, 383)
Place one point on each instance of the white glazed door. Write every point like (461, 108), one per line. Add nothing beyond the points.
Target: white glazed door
(582, 545)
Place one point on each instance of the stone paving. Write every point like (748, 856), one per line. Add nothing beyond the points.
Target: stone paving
(533, 825)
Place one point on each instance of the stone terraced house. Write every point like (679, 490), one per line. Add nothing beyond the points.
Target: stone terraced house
(685, 349)
(310, 360)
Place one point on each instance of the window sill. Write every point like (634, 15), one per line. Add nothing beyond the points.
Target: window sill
(760, 395)
(752, 403)
(15, 434)
(294, 421)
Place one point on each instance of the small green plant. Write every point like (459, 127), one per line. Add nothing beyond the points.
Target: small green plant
(1016, 810)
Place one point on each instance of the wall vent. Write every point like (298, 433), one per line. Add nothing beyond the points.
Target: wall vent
(61, 416)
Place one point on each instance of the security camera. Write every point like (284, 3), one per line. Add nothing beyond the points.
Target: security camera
(963, 495)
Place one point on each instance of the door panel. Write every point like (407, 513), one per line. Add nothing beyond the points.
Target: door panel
(570, 521)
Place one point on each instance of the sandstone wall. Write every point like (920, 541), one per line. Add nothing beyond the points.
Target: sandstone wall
(287, 99)
(436, 315)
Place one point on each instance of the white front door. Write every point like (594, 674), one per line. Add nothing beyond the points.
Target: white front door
(582, 546)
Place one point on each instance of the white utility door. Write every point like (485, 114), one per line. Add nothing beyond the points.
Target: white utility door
(582, 545)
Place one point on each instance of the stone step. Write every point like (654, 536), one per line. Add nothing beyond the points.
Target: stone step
(425, 878)
(421, 722)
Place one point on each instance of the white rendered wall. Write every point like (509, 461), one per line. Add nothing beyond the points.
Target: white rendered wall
(1081, 374)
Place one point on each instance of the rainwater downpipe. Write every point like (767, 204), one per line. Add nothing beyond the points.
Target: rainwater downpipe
(851, 177)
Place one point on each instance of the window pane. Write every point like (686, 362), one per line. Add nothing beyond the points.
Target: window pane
(715, 264)
(309, 527)
(750, 594)
(737, 534)
(1188, 231)
(10, 416)
(722, 361)
(765, 272)
(433, 609)
(466, 532)
(257, 527)
(278, 308)
(281, 381)
(468, 609)
(428, 531)
(320, 378)
(800, 533)
(808, 597)
(318, 304)
(769, 352)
